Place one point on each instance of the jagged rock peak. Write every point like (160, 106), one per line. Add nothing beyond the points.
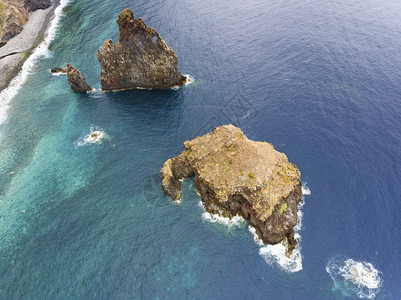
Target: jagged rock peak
(140, 58)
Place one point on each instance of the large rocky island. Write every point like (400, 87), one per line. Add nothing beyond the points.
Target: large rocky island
(140, 58)
(235, 175)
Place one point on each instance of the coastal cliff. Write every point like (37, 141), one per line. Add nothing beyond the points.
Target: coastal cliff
(22, 25)
(140, 58)
(15, 13)
(235, 175)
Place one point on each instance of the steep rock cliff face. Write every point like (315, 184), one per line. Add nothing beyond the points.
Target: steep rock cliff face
(235, 175)
(140, 59)
(15, 13)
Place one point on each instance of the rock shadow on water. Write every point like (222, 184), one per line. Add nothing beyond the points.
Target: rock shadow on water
(153, 104)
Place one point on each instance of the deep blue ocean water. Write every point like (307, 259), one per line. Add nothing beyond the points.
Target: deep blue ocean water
(321, 80)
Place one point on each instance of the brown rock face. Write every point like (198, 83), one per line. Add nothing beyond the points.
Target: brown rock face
(15, 13)
(235, 175)
(77, 80)
(140, 59)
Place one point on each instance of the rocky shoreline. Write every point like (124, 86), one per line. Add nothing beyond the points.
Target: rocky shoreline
(17, 49)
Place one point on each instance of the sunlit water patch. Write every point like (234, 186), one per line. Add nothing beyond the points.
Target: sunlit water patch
(354, 278)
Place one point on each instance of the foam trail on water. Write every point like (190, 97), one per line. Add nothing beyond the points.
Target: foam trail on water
(274, 255)
(352, 277)
(41, 51)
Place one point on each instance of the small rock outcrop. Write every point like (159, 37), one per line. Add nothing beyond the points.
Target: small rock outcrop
(58, 70)
(235, 175)
(140, 58)
(77, 80)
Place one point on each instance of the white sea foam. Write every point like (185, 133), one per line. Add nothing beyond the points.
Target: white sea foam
(190, 79)
(95, 136)
(352, 277)
(275, 256)
(58, 74)
(96, 93)
(41, 51)
(305, 190)
(236, 221)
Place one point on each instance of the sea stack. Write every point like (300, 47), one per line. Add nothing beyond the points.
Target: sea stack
(76, 80)
(237, 176)
(140, 58)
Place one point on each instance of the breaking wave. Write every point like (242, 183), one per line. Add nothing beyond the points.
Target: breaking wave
(96, 93)
(236, 221)
(190, 80)
(95, 136)
(275, 256)
(352, 277)
(41, 51)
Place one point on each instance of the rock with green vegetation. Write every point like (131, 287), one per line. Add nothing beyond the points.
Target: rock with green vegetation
(140, 58)
(235, 175)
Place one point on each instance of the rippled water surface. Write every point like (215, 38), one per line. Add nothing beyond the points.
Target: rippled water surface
(84, 218)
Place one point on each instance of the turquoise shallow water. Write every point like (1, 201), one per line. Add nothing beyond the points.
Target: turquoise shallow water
(321, 81)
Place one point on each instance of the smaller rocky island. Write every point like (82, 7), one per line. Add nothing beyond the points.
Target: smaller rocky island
(76, 80)
(140, 58)
(237, 176)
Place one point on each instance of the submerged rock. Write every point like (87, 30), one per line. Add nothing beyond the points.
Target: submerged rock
(235, 175)
(140, 58)
(77, 80)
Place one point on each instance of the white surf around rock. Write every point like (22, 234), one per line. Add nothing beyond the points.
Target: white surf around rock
(236, 221)
(354, 278)
(95, 136)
